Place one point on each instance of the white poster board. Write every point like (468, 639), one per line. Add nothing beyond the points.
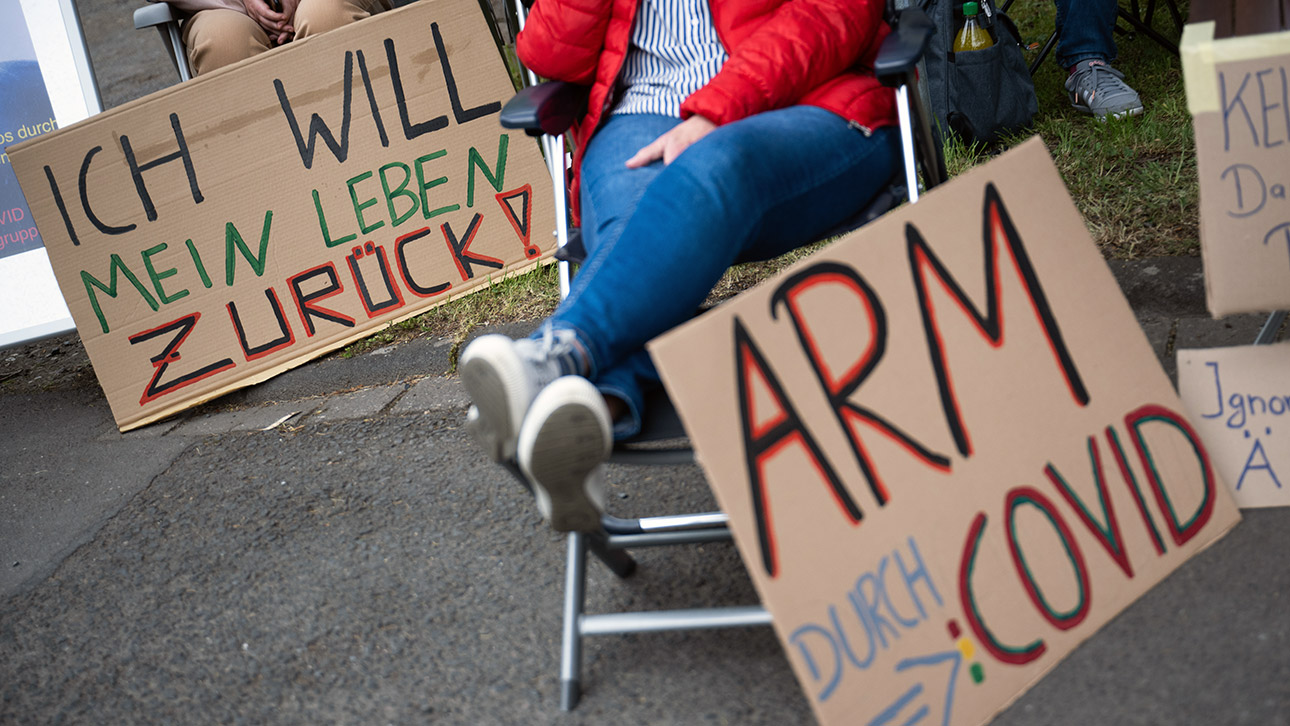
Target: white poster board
(45, 82)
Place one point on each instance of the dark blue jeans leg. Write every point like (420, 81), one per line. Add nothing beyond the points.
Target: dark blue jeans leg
(753, 189)
(1085, 29)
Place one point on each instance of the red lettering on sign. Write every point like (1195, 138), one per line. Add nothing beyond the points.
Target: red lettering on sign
(765, 437)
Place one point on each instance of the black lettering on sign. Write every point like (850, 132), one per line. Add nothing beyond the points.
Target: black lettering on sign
(462, 115)
(305, 301)
(137, 169)
(410, 130)
(841, 382)
(461, 254)
(395, 299)
(768, 433)
(401, 253)
(284, 340)
(998, 233)
(317, 127)
(181, 329)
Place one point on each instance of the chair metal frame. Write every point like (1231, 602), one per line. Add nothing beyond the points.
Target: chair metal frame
(166, 19)
(546, 110)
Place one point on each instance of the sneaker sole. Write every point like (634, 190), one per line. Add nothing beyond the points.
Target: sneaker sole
(569, 442)
(1116, 115)
(494, 376)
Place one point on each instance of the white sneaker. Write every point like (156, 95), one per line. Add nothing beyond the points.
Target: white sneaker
(503, 376)
(563, 444)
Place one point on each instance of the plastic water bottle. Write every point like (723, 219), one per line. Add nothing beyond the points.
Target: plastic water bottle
(972, 36)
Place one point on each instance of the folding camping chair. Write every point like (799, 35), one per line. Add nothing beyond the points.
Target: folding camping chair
(165, 19)
(547, 110)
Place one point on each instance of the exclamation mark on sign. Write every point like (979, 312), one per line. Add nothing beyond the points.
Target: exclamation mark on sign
(516, 205)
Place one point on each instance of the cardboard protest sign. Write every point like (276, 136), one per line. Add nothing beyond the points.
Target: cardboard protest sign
(217, 233)
(1237, 94)
(1239, 399)
(947, 451)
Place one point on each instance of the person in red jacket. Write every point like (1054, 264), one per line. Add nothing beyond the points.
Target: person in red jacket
(717, 132)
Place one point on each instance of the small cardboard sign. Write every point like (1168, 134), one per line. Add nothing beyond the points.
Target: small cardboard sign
(1237, 93)
(1239, 399)
(219, 232)
(947, 451)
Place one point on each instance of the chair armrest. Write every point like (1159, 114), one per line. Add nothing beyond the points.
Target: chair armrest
(902, 49)
(547, 108)
(154, 14)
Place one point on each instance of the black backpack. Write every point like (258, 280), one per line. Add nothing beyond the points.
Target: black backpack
(980, 94)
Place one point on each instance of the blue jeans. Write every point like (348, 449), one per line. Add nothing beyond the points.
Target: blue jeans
(660, 237)
(1084, 31)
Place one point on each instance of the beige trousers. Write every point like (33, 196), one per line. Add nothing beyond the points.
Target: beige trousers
(216, 38)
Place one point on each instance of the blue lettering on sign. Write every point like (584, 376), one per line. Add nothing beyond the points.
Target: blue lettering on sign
(1249, 412)
(1255, 110)
(1265, 112)
(890, 713)
(869, 622)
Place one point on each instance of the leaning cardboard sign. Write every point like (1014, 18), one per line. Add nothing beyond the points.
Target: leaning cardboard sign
(1237, 95)
(947, 452)
(1239, 399)
(217, 233)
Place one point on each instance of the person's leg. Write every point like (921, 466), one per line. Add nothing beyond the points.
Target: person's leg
(499, 376)
(1086, 48)
(610, 195)
(749, 190)
(318, 16)
(611, 191)
(1085, 30)
(753, 189)
(219, 37)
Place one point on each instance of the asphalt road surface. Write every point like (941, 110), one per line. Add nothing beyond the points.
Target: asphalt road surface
(330, 547)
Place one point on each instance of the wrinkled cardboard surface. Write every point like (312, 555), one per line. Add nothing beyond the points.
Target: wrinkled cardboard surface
(342, 201)
(1239, 398)
(1237, 93)
(886, 556)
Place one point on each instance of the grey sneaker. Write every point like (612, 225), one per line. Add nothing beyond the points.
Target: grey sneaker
(1097, 88)
(563, 444)
(503, 376)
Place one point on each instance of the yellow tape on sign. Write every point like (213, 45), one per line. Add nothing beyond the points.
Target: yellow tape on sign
(1201, 52)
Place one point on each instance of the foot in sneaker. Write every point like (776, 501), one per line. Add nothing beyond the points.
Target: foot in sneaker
(1097, 88)
(503, 376)
(563, 444)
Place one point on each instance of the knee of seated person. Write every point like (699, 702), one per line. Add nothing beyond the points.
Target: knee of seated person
(219, 37)
(319, 16)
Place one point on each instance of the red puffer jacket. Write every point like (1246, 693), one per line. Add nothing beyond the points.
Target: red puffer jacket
(782, 53)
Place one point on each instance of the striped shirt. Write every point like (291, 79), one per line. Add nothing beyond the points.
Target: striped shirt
(674, 52)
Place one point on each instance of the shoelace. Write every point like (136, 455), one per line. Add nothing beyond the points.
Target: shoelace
(562, 347)
(1106, 79)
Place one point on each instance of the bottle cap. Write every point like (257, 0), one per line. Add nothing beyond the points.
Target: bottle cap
(971, 8)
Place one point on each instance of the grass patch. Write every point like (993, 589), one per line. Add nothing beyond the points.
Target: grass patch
(1133, 180)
